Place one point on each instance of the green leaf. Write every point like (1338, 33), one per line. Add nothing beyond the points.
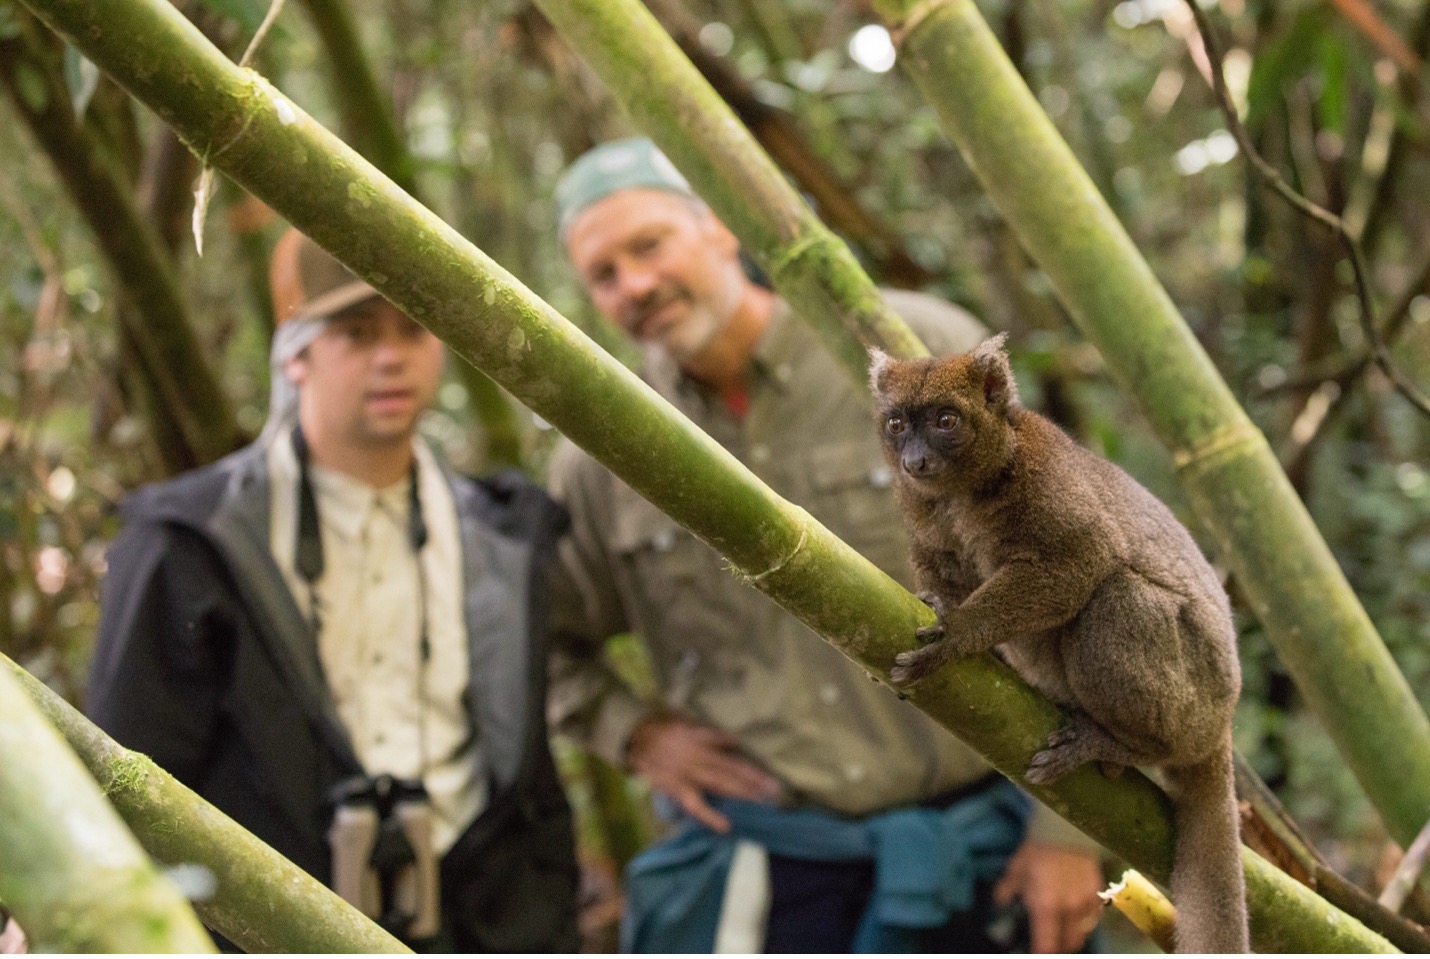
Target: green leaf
(9, 25)
(1333, 103)
(1282, 62)
(31, 86)
(82, 79)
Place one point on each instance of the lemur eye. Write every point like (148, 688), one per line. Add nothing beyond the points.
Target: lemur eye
(947, 420)
(895, 425)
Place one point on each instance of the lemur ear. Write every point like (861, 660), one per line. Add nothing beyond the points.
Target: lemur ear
(878, 362)
(990, 363)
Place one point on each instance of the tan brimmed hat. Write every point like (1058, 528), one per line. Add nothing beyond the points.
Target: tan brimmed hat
(308, 283)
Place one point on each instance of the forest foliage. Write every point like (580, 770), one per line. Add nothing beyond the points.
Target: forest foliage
(492, 105)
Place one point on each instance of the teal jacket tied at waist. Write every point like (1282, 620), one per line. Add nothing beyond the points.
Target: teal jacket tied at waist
(926, 862)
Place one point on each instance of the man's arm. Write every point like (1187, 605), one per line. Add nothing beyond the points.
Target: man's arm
(675, 753)
(586, 700)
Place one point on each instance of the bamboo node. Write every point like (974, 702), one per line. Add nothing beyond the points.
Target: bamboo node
(1218, 446)
(257, 84)
(801, 248)
(916, 16)
(803, 538)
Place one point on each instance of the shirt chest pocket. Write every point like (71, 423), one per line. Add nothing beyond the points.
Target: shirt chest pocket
(690, 608)
(851, 492)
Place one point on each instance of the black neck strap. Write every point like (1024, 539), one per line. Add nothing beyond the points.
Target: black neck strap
(308, 563)
(308, 553)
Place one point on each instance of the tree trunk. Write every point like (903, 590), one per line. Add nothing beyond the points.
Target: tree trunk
(1238, 490)
(261, 902)
(184, 397)
(433, 274)
(73, 875)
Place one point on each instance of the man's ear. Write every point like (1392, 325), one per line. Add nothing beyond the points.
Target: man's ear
(990, 364)
(296, 369)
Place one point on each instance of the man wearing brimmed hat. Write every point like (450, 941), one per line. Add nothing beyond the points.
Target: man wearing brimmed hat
(817, 811)
(331, 636)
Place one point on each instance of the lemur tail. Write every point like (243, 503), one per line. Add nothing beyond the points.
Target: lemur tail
(1208, 886)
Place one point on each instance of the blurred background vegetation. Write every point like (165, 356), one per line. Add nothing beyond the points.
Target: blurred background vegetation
(490, 105)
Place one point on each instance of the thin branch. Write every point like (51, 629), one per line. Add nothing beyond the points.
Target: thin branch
(1344, 371)
(1270, 830)
(1412, 864)
(1273, 178)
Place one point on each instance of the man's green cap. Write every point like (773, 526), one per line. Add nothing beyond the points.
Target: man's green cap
(618, 165)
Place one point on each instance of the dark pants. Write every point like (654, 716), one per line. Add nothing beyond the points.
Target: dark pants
(816, 907)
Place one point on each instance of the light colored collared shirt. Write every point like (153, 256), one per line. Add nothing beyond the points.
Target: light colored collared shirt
(404, 717)
(727, 653)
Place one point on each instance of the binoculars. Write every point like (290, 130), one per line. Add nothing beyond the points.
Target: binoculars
(383, 860)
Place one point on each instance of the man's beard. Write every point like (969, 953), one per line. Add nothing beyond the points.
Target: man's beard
(687, 336)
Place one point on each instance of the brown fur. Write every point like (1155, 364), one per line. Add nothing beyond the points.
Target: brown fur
(1085, 583)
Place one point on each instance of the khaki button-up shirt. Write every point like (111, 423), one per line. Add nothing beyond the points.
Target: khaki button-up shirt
(727, 653)
(405, 716)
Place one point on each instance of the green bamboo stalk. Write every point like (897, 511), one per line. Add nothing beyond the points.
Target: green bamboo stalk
(261, 902)
(1235, 484)
(780, 137)
(370, 128)
(72, 874)
(423, 266)
(669, 99)
(184, 396)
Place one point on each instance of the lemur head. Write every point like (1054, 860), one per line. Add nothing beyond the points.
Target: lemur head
(946, 423)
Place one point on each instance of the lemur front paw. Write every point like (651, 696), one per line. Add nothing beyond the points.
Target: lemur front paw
(917, 664)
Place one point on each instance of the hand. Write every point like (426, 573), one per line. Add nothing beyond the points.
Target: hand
(12, 937)
(1059, 887)
(685, 760)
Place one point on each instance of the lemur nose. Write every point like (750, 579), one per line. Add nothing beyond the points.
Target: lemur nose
(915, 465)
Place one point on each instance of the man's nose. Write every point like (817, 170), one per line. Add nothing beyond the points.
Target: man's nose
(636, 283)
(391, 350)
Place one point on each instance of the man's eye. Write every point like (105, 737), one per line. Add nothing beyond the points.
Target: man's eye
(646, 245)
(946, 420)
(895, 425)
(359, 333)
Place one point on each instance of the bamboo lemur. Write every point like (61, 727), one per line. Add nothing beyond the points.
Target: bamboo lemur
(1087, 586)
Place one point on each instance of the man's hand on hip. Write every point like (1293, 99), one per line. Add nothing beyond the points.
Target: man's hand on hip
(685, 760)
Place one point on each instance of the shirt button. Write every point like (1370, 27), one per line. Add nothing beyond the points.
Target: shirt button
(855, 772)
(759, 453)
(664, 540)
(881, 477)
(829, 694)
(784, 372)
